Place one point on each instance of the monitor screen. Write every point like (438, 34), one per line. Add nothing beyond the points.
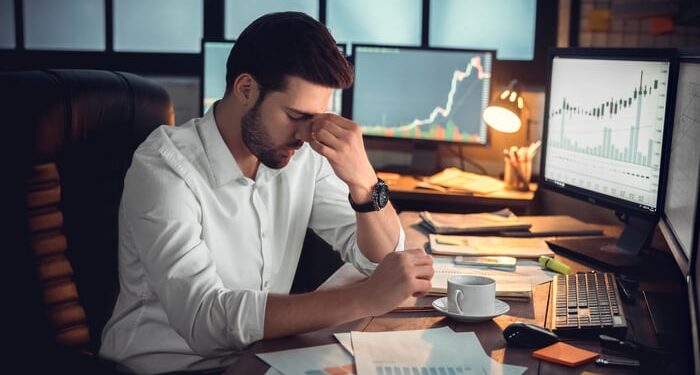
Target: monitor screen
(606, 138)
(680, 208)
(418, 93)
(605, 129)
(215, 55)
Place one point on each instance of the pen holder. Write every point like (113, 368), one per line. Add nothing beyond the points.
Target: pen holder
(517, 175)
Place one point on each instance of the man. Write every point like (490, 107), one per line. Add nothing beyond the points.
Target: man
(214, 212)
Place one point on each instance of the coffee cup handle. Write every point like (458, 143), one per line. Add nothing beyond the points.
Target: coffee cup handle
(459, 296)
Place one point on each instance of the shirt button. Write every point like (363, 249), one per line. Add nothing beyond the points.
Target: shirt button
(263, 234)
(266, 284)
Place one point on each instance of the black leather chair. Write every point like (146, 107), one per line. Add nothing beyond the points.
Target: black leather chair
(69, 139)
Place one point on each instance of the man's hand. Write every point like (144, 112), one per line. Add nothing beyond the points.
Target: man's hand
(399, 275)
(340, 141)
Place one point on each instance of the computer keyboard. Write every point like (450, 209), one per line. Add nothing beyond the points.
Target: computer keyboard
(586, 304)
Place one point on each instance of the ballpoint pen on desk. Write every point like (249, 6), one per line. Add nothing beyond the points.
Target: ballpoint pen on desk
(532, 149)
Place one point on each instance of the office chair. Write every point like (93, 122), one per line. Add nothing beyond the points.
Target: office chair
(68, 139)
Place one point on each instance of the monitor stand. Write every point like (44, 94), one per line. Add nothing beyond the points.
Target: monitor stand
(424, 160)
(623, 255)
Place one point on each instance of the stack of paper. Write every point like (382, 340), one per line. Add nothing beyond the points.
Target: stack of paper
(428, 351)
(531, 248)
(456, 179)
(472, 223)
(315, 360)
(509, 284)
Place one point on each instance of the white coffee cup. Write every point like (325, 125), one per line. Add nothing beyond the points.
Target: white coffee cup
(471, 295)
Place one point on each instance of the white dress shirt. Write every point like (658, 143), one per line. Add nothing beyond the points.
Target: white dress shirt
(201, 245)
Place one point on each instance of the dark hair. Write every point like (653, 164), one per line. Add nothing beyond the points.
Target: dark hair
(278, 45)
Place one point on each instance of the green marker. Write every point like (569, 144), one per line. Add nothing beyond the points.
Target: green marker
(554, 265)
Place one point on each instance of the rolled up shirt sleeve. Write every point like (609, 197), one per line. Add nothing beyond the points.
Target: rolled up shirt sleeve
(334, 220)
(163, 220)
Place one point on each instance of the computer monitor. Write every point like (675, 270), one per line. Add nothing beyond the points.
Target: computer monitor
(421, 93)
(679, 220)
(606, 137)
(215, 54)
(694, 302)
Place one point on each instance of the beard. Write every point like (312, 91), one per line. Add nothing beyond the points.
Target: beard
(259, 141)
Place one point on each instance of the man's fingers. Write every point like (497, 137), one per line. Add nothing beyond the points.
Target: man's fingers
(327, 138)
(322, 149)
(421, 286)
(335, 119)
(424, 272)
(329, 126)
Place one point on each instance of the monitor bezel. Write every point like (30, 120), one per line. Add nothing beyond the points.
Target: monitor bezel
(694, 267)
(351, 94)
(667, 230)
(629, 54)
(202, 67)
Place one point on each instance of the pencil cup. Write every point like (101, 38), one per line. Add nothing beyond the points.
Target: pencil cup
(517, 175)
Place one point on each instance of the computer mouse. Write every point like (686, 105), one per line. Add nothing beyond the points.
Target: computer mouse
(526, 335)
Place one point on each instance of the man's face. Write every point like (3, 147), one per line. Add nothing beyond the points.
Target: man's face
(278, 124)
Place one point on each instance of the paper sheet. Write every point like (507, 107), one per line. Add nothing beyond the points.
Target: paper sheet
(526, 274)
(438, 350)
(345, 339)
(315, 360)
(482, 246)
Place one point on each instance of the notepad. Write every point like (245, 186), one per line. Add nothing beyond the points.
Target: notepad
(472, 223)
(531, 248)
(565, 354)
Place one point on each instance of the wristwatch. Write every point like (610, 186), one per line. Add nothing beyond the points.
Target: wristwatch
(379, 199)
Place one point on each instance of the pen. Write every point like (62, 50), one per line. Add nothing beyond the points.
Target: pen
(533, 149)
(518, 174)
(617, 362)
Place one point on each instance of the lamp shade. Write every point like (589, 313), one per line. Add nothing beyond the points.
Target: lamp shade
(503, 114)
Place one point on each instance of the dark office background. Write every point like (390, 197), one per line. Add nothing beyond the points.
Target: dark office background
(161, 40)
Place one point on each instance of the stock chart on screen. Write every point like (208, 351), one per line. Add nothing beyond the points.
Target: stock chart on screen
(606, 126)
(430, 94)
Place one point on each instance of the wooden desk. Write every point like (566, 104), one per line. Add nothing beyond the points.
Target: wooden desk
(406, 196)
(489, 333)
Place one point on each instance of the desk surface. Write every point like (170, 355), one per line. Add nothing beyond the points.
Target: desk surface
(489, 333)
(406, 195)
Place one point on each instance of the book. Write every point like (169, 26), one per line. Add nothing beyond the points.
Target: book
(484, 222)
(530, 248)
(507, 291)
(509, 285)
(565, 354)
(554, 225)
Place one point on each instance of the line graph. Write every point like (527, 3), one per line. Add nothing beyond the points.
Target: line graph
(457, 76)
(422, 94)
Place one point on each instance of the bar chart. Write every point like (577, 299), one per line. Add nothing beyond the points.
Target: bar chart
(605, 126)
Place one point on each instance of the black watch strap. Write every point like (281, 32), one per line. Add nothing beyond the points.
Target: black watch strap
(378, 200)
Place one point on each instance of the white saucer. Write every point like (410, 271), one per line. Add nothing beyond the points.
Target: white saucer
(440, 305)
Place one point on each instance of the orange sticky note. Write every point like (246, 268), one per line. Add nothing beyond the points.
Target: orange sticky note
(565, 354)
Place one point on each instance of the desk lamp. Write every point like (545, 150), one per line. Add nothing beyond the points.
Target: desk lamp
(504, 112)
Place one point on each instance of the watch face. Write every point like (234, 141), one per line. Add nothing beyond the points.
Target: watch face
(383, 196)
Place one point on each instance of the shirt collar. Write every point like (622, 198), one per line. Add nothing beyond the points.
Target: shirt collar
(223, 165)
